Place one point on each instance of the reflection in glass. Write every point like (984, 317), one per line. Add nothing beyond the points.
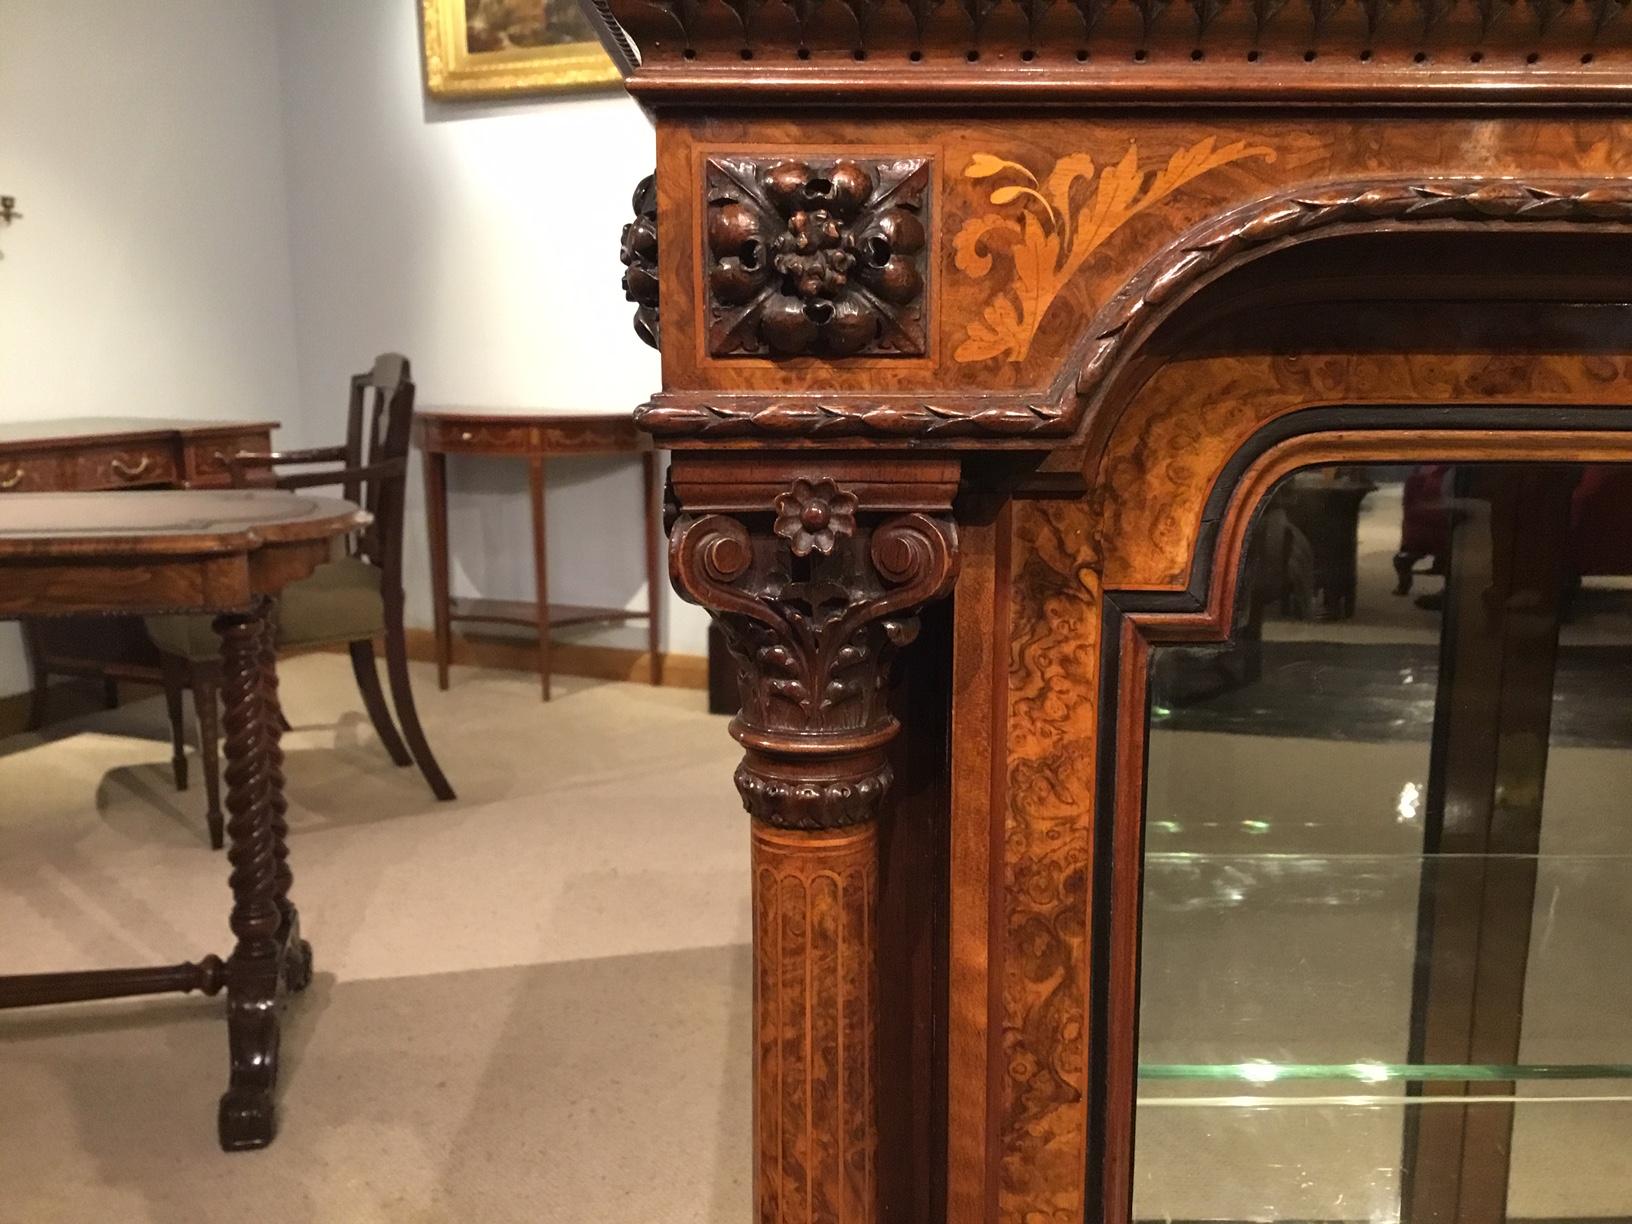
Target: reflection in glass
(1388, 877)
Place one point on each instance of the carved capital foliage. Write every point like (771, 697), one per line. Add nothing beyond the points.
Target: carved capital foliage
(816, 257)
(814, 597)
(638, 251)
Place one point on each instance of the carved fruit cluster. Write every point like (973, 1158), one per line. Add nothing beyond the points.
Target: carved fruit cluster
(638, 251)
(816, 258)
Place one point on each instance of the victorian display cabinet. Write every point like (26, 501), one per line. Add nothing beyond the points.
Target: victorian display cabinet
(1162, 470)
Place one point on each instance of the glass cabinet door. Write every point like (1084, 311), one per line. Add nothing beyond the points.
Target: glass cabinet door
(1387, 892)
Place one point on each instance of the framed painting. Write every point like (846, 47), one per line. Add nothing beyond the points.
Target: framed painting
(489, 48)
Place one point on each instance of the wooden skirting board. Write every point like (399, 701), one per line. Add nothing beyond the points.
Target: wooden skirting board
(568, 658)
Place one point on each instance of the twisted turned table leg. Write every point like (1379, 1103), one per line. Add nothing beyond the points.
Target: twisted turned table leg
(254, 793)
(297, 953)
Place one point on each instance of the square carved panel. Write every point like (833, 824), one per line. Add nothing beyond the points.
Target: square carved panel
(814, 256)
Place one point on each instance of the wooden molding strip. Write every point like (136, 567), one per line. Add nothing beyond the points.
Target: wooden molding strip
(567, 658)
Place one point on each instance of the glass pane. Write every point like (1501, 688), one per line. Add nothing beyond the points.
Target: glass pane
(1387, 876)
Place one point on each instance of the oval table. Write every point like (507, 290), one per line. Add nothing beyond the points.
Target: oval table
(230, 553)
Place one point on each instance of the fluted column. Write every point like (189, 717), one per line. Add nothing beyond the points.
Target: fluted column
(814, 595)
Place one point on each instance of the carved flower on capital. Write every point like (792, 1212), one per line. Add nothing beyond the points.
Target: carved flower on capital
(815, 515)
(816, 257)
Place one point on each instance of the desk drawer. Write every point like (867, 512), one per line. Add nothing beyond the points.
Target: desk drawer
(30, 474)
(204, 462)
(119, 467)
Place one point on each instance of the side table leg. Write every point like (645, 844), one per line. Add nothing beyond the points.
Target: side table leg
(541, 577)
(246, 1117)
(436, 529)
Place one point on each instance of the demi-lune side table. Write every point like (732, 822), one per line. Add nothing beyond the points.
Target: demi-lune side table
(536, 437)
(230, 553)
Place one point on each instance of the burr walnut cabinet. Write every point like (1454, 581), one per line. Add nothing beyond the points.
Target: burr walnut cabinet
(1048, 386)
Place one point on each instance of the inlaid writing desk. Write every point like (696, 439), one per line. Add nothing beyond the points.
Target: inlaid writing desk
(87, 453)
(227, 552)
(535, 437)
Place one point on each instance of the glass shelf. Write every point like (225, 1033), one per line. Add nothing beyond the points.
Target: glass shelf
(1379, 1073)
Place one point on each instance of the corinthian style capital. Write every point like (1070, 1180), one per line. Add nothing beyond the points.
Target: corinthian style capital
(815, 595)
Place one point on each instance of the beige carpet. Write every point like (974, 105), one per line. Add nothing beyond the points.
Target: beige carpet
(531, 1004)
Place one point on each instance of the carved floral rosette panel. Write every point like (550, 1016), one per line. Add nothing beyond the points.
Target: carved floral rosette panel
(814, 598)
(816, 257)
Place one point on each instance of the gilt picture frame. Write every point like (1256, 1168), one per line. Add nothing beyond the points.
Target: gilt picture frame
(511, 48)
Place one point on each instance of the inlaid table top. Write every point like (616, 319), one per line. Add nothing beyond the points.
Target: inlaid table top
(169, 522)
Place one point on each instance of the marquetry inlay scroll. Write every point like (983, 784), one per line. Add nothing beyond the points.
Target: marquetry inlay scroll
(1047, 228)
(811, 256)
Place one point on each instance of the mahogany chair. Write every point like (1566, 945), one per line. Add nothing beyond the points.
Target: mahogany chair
(352, 599)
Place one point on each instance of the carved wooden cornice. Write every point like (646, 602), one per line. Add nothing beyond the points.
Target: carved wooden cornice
(997, 420)
(1248, 51)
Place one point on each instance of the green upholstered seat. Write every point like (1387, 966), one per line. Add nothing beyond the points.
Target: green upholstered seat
(340, 602)
(189, 637)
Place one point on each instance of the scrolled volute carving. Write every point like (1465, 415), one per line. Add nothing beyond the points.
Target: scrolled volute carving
(638, 253)
(813, 634)
(816, 257)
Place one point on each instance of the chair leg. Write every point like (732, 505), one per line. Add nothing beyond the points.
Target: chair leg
(39, 703)
(368, 684)
(206, 704)
(173, 673)
(402, 694)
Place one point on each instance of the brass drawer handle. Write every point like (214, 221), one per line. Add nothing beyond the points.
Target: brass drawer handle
(15, 479)
(130, 471)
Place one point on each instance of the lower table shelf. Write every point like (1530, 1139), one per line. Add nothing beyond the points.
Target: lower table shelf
(525, 612)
